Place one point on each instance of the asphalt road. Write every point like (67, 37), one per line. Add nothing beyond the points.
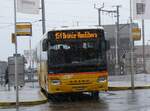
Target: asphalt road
(138, 100)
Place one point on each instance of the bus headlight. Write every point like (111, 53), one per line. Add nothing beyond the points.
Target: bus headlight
(101, 79)
(55, 82)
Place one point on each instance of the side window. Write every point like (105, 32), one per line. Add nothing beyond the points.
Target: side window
(43, 53)
(103, 46)
(45, 45)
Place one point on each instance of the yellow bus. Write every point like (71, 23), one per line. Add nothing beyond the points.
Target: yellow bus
(73, 60)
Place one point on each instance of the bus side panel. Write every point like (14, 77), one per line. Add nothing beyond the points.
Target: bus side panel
(42, 67)
(43, 76)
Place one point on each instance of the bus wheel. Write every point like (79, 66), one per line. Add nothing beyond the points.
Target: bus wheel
(95, 95)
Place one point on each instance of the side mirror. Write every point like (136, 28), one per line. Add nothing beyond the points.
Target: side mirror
(45, 45)
(107, 45)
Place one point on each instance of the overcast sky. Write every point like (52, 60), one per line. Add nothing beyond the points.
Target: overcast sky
(58, 13)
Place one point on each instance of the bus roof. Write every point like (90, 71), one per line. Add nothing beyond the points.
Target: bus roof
(75, 28)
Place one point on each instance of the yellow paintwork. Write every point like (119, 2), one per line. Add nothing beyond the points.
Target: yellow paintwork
(72, 82)
(78, 82)
(42, 73)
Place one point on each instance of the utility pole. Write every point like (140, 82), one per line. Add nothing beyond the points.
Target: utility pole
(43, 16)
(116, 40)
(16, 52)
(143, 35)
(116, 12)
(30, 68)
(131, 44)
(99, 13)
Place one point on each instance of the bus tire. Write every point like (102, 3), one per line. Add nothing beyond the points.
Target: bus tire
(95, 95)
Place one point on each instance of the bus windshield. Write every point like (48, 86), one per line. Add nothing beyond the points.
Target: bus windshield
(78, 55)
(83, 53)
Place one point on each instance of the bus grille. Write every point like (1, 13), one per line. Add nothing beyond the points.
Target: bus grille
(79, 82)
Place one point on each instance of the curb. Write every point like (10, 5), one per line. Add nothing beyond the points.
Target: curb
(111, 88)
(42, 101)
(25, 103)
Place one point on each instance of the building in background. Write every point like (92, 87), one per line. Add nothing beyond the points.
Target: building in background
(138, 50)
(3, 68)
(123, 47)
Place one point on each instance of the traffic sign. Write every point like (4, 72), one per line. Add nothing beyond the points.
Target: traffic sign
(136, 34)
(13, 38)
(24, 29)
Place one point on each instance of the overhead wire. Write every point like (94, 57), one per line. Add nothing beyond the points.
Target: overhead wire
(12, 24)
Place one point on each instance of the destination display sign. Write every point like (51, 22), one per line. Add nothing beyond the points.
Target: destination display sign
(75, 35)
